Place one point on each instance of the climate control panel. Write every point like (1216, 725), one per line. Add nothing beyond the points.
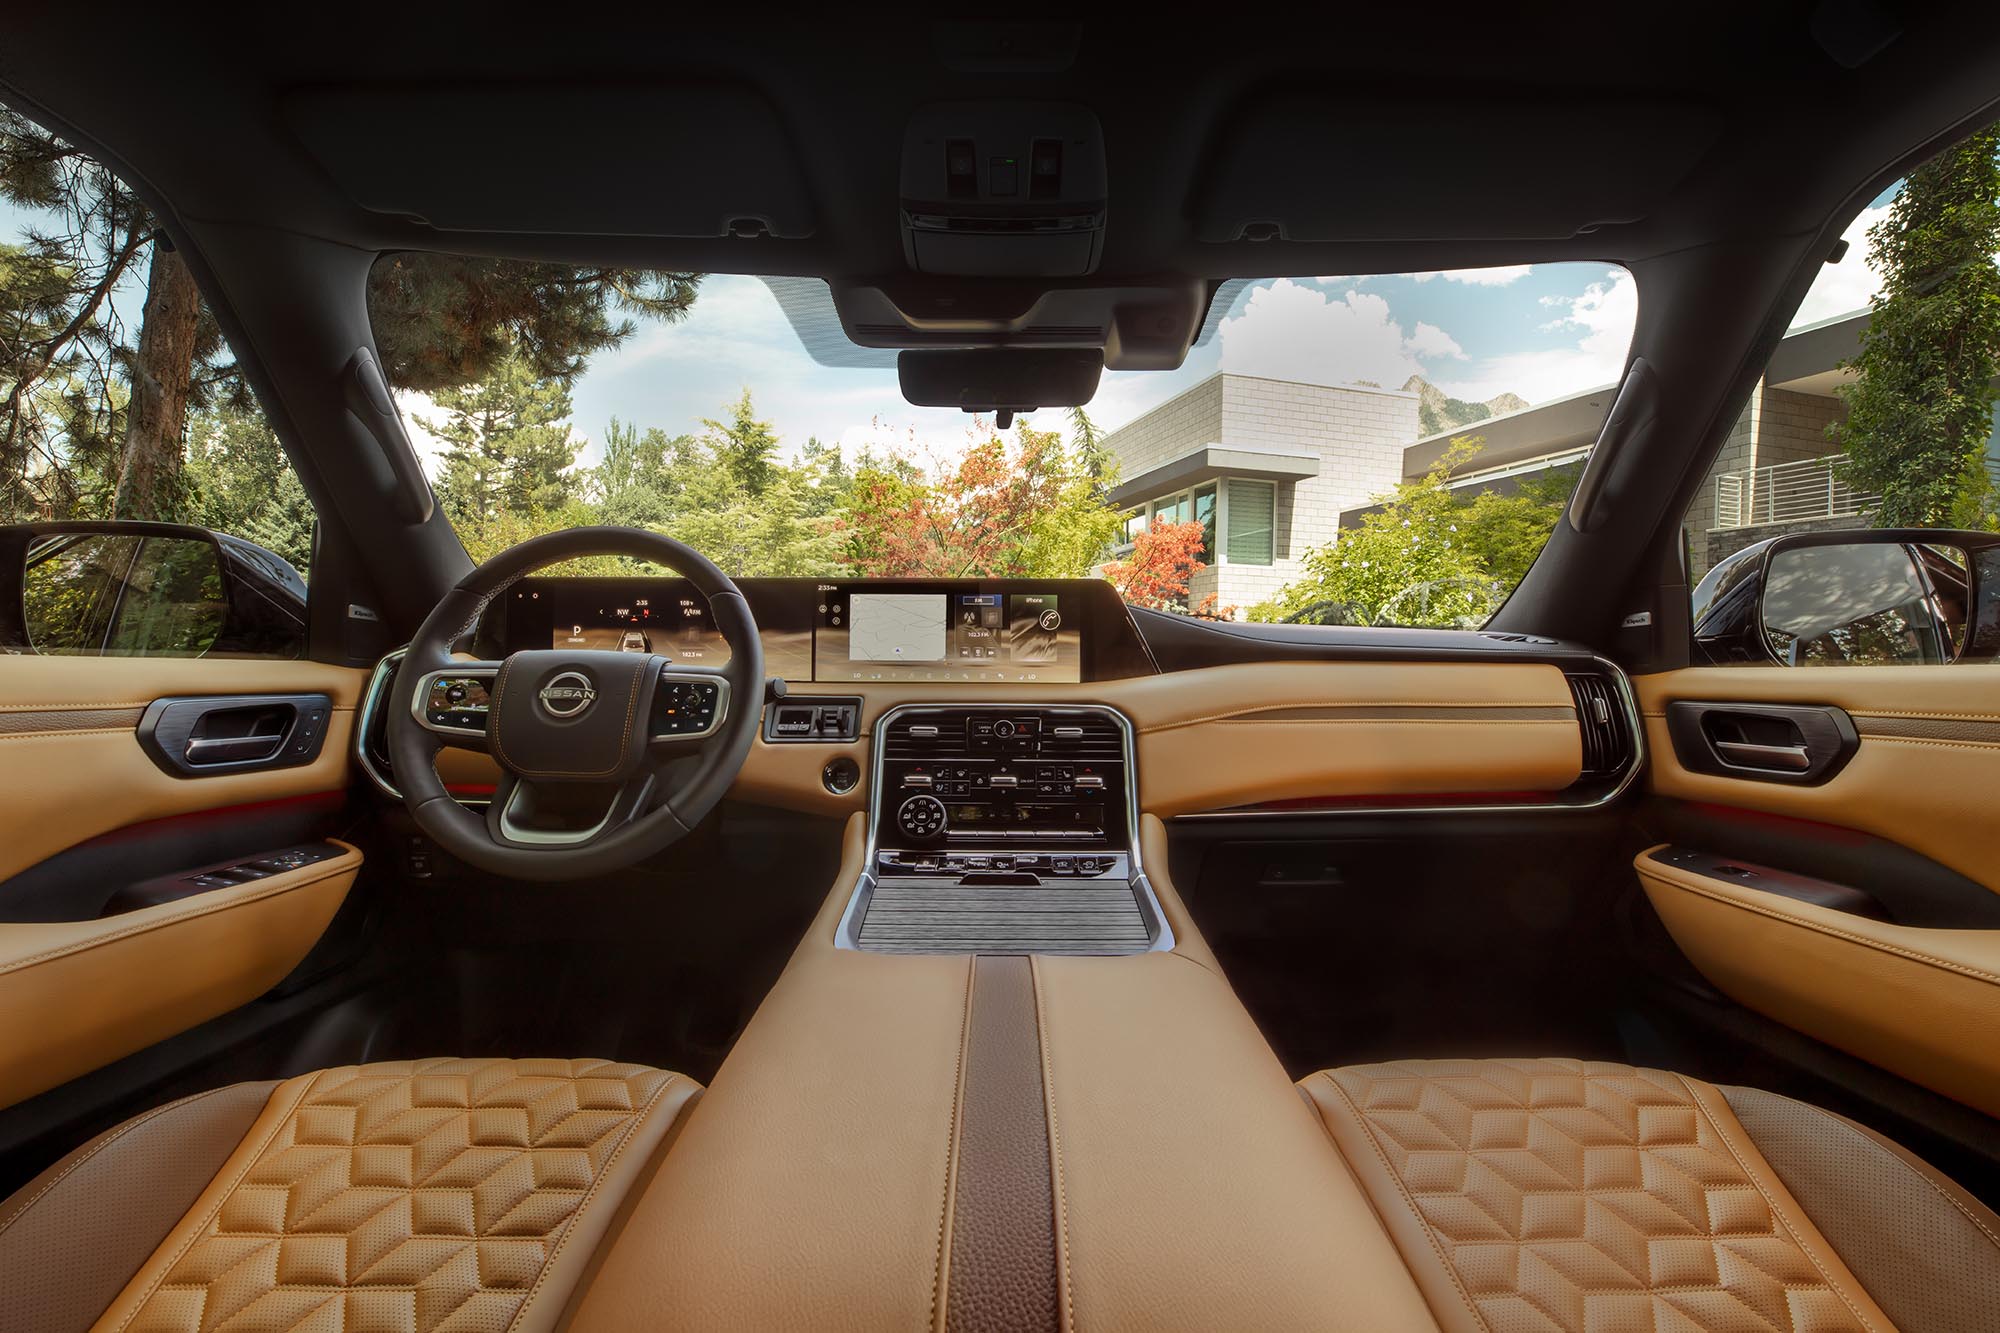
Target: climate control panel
(972, 791)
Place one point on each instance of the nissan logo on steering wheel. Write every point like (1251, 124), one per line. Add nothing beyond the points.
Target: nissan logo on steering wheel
(567, 695)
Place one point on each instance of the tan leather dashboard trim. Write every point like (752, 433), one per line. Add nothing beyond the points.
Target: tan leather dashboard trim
(1238, 734)
(1923, 775)
(61, 785)
(1920, 1002)
(76, 995)
(1235, 735)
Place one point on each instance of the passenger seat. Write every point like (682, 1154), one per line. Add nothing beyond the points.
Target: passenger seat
(1558, 1194)
(427, 1194)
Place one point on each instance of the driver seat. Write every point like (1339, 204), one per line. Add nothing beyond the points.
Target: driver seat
(413, 1195)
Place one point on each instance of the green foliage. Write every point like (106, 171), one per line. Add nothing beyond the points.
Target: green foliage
(1431, 555)
(447, 321)
(1921, 412)
(507, 446)
(240, 482)
(743, 446)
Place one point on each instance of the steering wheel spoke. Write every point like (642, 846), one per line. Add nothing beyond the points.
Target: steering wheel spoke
(453, 703)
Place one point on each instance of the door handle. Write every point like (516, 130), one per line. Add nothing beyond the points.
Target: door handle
(1799, 744)
(207, 736)
(1745, 754)
(231, 749)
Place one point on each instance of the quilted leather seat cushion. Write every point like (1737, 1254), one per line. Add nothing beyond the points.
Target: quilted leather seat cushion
(407, 1197)
(1558, 1194)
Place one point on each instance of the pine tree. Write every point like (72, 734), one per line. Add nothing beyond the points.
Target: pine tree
(508, 446)
(1921, 412)
(743, 445)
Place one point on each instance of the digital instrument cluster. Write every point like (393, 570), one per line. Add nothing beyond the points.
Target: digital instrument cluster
(965, 632)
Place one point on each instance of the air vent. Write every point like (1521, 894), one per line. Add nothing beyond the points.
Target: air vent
(1082, 736)
(1601, 717)
(926, 735)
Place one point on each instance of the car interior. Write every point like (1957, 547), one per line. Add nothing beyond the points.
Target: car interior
(484, 962)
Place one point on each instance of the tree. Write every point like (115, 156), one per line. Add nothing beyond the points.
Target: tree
(508, 446)
(743, 445)
(1411, 562)
(444, 321)
(1920, 414)
(1165, 558)
(1028, 509)
(240, 482)
(95, 417)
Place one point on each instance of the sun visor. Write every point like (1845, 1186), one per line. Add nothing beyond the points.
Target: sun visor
(693, 160)
(1312, 168)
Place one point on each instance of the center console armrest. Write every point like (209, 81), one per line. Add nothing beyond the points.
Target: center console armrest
(879, 1105)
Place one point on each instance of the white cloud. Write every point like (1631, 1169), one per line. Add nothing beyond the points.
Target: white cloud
(1850, 285)
(1430, 340)
(1293, 332)
(1602, 315)
(1504, 275)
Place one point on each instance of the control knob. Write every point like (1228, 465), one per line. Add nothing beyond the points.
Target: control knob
(921, 818)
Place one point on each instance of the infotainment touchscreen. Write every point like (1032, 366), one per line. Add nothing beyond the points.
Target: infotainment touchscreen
(950, 635)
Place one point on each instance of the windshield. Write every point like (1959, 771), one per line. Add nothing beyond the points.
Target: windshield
(1377, 450)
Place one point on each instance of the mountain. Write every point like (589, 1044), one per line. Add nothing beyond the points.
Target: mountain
(1436, 412)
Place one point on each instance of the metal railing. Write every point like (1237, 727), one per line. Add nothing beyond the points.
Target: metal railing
(1786, 493)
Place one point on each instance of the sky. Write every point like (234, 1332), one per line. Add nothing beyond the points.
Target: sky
(1542, 331)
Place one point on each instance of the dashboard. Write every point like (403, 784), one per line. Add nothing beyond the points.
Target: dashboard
(960, 631)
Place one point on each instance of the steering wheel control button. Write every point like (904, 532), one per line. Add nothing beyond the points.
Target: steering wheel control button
(921, 817)
(683, 707)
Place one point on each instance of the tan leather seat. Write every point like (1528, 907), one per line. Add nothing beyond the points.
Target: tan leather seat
(418, 1195)
(1557, 1194)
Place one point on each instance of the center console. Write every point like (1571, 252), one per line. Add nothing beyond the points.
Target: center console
(1001, 828)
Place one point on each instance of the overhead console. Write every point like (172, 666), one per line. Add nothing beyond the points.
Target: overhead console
(957, 631)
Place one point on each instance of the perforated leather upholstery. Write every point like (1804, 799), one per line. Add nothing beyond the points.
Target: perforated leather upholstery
(1556, 1194)
(414, 1196)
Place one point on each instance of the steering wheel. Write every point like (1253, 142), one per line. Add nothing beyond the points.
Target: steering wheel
(606, 757)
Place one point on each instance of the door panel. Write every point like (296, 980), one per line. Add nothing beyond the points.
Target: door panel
(1925, 764)
(76, 995)
(72, 765)
(1922, 1003)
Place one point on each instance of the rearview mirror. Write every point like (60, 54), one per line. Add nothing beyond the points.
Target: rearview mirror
(1894, 597)
(130, 589)
(1000, 380)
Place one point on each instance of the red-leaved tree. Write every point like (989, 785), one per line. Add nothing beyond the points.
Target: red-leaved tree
(999, 510)
(1165, 557)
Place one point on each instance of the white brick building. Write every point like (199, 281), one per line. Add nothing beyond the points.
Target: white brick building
(1268, 464)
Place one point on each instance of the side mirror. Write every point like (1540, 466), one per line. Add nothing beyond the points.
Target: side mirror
(129, 589)
(1908, 597)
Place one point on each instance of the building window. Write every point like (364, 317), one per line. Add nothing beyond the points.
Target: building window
(1192, 506)
(1249, 532)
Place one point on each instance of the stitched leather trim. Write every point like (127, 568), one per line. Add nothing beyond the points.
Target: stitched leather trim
(941, 1268)
(1538, 1194)
(1002, 1265)
(1927, 1252)
(68, 721)
(1066, 1282)
(1964, 730)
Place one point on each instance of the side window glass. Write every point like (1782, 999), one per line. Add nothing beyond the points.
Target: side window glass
(121, 401)
(1876, 411)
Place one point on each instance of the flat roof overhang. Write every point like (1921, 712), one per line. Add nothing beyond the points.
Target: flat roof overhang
(1209, 462)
